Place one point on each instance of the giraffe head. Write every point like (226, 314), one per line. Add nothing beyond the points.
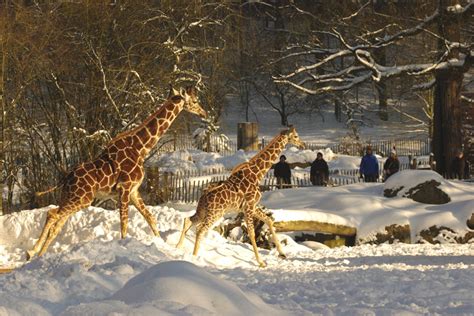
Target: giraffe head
(191, 101)
(293, 137)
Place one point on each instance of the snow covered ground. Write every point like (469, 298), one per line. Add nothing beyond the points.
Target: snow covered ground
(89, 270)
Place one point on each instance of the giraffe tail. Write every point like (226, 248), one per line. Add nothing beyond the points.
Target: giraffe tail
(60, 184)
(38, 194)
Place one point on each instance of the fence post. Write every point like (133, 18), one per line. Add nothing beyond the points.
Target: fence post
(165, 187)
(175, 135)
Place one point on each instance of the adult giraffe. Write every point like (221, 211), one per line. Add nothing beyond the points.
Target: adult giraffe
(240, 192)
(117, 170)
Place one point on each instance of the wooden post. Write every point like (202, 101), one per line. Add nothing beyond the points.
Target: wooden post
(1, 199)
(247, 136)
(175, 135)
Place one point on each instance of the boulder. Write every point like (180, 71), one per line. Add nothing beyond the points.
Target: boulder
(423, 186)
(429, 193)
(442, 235)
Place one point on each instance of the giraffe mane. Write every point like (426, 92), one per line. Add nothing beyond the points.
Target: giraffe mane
(213, 186)
(239, 166)
(145, 122)
(271, 143)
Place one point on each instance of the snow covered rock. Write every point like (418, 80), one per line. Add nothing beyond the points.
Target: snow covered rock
(423, 186)
(178, 287)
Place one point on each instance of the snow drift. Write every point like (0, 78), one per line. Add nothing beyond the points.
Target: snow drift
(177, 287)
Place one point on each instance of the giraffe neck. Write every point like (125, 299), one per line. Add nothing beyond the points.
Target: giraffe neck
(263, 161)
(145, 136)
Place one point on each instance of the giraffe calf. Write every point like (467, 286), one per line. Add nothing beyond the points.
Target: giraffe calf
(223, 198)
(241, 192)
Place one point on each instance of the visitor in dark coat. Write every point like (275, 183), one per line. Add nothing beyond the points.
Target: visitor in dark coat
(319, 174)
(391, 165)
(460, 167)
(282, 173)
(369, 166)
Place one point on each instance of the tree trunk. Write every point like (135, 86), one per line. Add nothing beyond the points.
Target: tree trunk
(3, 82)
(447, 138)
(283, 114)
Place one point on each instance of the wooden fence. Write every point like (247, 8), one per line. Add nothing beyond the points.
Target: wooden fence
(188, 186)
(404, 147)
(166, 186)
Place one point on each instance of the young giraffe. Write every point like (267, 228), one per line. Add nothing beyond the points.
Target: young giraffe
(241, 192)
(118, 170)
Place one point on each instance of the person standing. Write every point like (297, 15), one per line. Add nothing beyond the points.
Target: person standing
(460, 167)
(282, 173)
(369, 166)
(391, 165)
(319, 173)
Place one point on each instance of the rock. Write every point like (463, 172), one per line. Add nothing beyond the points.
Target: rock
(443, 235)
(428, 193)
(392, 192)
(421, 186)
(470, 222)
(331, 240)
(393, 233)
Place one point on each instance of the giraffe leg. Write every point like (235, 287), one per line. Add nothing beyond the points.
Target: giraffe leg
(54, 231)
(59, 218)
(51, 219)
(186, 226)
(124, 201)
(201, 231)
(251, 232)
(138, 202)
(267, 220)
(199, 234)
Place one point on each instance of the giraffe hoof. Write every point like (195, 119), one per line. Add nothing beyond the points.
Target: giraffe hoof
(262, 264)
(282, 256)
(29, 254)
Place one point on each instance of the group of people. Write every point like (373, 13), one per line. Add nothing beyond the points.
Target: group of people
(369, 168)
(319, 174)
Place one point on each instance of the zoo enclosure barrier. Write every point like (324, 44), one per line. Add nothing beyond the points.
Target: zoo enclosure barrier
(187, 186)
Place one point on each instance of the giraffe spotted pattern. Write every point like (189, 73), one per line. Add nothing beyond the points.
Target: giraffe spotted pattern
(240, 192)
(118, 171)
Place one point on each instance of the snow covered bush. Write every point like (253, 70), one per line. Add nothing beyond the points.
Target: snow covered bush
(207, 138)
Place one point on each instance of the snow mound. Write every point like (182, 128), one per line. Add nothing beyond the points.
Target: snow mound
(343, 162)
(240, 156)
(180, 286)
(420, 186)
(174, 161)
(404, 180)
(20, 230)
(294, 154)
(193, 160)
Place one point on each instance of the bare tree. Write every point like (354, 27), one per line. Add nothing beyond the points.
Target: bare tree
(359, 48)
(92, 70)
